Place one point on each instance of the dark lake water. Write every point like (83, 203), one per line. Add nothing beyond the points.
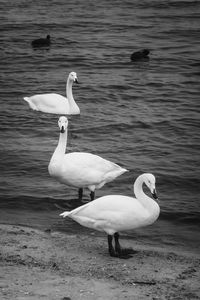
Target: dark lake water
(142, 115)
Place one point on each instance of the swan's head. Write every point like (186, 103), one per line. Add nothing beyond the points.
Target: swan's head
(150, 181)
(63, 124)
(73, 77)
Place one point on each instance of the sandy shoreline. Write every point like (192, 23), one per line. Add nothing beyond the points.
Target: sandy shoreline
(53, 265)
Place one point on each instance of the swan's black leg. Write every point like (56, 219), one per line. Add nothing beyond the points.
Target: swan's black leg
(110, 246)
(119, 250)
(80, 194)
(113, 251)
(92, 195)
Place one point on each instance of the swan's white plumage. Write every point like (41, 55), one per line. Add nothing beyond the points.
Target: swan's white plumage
(54, 103)
(114, 213)
(80, 169)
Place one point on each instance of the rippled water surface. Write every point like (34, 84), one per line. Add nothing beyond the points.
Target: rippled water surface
(142, 115)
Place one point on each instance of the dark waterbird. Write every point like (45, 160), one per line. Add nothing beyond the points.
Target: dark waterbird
(42, 42)
(140, 55)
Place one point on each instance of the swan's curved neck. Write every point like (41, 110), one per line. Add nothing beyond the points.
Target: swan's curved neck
(73, 107)
(69, 91)
(145, 200)
(61, 147)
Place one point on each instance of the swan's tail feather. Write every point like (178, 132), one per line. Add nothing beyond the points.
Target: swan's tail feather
(30, 102)
(114, 174)
(65, 214)
(26, 99)
(121, 171)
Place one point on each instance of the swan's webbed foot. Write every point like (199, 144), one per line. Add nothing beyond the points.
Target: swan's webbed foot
(118, 251)
(121, 255)
(125, 251)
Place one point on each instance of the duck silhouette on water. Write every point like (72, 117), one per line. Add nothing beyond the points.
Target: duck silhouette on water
(42, 42)
(140, 55)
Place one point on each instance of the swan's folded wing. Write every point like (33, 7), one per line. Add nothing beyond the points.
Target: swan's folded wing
(90, 162)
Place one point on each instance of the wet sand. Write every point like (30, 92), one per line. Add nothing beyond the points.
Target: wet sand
(54, 265)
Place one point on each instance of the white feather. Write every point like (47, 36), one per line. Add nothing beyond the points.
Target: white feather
(54, 103)
(80, 169)
(114, 213)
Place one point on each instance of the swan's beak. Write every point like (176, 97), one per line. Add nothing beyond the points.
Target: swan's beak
(154, 194)
(76, 80)
(62, 130)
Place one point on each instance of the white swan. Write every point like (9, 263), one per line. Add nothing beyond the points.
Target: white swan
(80, 169)
(54, 103)
(114, 213)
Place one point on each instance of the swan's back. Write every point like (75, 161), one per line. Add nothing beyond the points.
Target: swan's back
(119, 203)
(81, 169)
(93, 161)
(90, 167)
(112, 213)
(109, 204)
(49, 103)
